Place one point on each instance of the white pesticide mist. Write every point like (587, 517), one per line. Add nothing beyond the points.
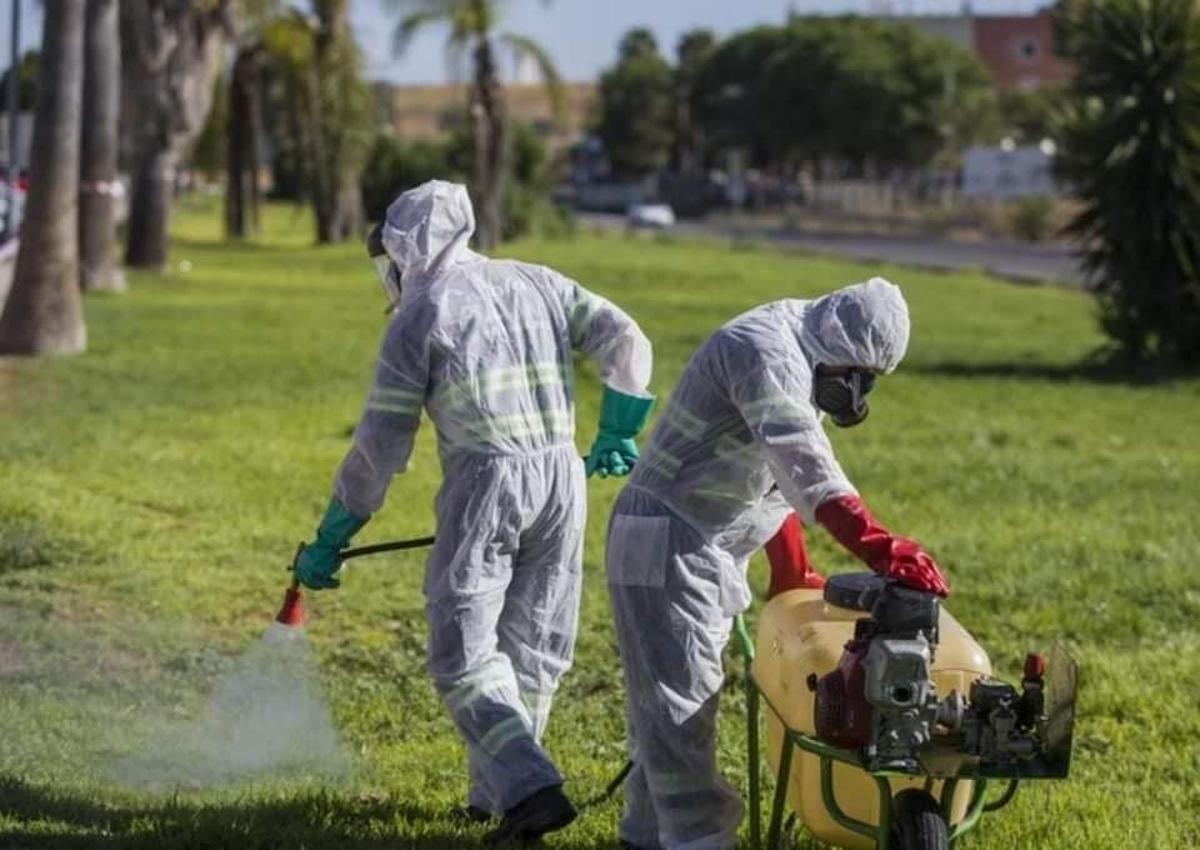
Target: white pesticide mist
(267, 716)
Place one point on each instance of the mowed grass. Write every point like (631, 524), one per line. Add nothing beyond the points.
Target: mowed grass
(153, 490)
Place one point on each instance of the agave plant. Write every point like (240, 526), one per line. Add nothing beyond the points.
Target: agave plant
(1131, 155)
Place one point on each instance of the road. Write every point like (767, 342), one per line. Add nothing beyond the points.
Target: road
(1018, 261)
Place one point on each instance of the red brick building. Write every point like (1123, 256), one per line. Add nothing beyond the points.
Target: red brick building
(1019, 51)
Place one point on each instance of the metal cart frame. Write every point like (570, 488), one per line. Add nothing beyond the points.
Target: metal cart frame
(881, 834)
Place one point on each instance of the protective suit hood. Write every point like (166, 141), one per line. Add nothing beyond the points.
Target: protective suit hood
(865, 325)
(427, 230)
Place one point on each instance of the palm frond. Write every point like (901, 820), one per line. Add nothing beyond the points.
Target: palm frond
(525, 47)
(411, 24)
(289, 39)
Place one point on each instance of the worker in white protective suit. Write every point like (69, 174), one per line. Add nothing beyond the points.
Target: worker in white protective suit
(485, 347)
(736, 450)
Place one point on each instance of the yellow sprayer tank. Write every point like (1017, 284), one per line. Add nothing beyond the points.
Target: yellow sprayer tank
(800, 633)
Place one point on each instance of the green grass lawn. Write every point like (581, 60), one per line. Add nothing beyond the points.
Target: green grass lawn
(153, 490)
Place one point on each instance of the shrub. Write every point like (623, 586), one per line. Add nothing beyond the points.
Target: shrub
(1031, 221)
(395, 165)
(1130, 150)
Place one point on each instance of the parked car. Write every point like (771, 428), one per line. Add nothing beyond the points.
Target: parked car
(650, 216)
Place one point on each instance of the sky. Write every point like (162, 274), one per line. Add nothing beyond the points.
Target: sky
(581, 35)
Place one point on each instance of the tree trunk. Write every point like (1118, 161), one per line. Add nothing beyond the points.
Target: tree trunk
(150, 211)
(170, 51)
(489, 127)
(235, 217)
(241, 160)
(348, 214)
(43, 314)
(99, 187)
(320, 184)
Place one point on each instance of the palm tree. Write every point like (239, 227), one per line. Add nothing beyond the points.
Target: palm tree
(99, 187)
(341, 122)
(472, 30)
(313, 65)
(170, 52)
(242, 134)
(43, 314)
(1131, 155)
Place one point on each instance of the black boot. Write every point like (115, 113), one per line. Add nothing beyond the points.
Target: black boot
(544, 811)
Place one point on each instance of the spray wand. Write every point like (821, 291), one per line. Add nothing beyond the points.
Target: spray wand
(292, 612)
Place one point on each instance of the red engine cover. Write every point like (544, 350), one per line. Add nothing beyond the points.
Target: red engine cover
(841, 713)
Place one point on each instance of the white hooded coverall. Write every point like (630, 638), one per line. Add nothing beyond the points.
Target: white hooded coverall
(485, 347)
(738, 446)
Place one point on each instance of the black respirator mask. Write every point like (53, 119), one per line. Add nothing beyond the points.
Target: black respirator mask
(389, 273)
(844, 396)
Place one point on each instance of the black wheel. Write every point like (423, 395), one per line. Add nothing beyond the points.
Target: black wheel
(917, 822)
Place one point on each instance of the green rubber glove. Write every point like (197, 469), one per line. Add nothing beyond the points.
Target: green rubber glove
(621, 417)
(319, 560)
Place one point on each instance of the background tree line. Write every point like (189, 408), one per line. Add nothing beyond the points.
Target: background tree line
(141, 86)
(849, 96)
(815, 94)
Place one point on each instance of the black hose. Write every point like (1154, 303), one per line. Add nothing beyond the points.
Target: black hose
(610, 789)
(393, 546)
(373, 549)
(1004, 799)
(420, 543)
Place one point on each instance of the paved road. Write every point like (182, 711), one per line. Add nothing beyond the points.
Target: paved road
(1013, 260)
(1017, 261)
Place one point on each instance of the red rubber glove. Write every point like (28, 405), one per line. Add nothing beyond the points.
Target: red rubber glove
(852, 525)
(790, 569)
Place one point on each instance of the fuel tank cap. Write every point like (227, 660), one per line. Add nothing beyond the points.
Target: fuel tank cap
(853, 591)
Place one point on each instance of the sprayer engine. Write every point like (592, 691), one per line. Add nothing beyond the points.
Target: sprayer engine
(881, 699)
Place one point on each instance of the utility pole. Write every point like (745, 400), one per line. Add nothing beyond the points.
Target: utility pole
(14, 71)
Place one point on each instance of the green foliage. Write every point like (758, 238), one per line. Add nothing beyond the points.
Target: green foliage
(394, 165)
(694, 49)
(866, 91)
(732, 94)
(287, 45)
(528, 210)
(1029, 116)
(345, 108)
(26, 81)
(636, 120)
(317, 108)
(1131, 153)
(472, 31)
(209, 150)
(194, 445)
(1032, 219)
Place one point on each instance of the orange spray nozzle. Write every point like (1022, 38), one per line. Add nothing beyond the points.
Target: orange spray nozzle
(292, 612)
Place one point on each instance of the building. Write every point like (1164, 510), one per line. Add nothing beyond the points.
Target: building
(1018, 50)
(429, 111)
